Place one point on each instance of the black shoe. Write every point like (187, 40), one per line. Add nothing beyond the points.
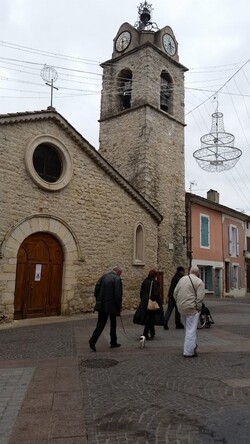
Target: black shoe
(115, 345)
(179, 326)
(92, 345)
(165, 326)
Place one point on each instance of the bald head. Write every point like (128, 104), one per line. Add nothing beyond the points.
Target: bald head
(117, 270)
(194, 270)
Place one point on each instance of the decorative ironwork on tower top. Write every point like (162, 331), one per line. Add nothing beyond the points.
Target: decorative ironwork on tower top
(144, 22)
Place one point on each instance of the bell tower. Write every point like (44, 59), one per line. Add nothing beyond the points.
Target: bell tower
(142, 124)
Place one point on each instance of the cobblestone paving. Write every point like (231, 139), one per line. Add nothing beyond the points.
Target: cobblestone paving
(163, 398)
(243, 330)
(37, 342)
(155, 396)
(128, 395)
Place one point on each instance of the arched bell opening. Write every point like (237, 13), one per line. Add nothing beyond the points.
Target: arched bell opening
(125, 88)
(166, 93)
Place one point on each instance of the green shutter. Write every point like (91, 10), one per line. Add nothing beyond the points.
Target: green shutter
(204, 231)
(210, 278)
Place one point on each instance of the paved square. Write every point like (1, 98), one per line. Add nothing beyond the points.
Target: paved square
(13, 386)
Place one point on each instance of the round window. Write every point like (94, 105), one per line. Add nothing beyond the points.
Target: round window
(49, 163)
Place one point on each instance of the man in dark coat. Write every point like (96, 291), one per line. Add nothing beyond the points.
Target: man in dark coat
(108, 294)
(180, 272)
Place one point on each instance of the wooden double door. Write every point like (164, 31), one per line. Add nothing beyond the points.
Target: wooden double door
(38, 277)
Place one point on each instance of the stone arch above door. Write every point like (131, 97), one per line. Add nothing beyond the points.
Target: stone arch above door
(10, 247)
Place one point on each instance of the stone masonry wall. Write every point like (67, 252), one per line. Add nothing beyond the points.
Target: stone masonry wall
(99, 214)
(147, 145)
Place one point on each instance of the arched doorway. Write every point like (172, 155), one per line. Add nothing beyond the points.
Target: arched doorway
(38, 277)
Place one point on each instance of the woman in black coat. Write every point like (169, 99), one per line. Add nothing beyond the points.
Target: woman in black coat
(143, 316)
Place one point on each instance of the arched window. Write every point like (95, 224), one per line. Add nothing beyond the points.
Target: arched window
(139, 245)
(125, 88)
(166, 99)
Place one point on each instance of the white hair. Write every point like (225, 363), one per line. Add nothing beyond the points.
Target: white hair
(194, 270)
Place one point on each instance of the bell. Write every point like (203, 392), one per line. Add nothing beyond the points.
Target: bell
(145, 16)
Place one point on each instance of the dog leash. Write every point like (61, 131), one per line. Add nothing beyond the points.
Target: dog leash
(123, 326)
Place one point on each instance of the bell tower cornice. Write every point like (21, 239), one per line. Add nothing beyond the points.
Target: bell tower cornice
(119, 56)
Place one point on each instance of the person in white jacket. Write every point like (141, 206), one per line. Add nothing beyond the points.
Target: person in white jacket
(189, 294)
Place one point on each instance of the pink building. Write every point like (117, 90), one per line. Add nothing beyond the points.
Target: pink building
(216, 242)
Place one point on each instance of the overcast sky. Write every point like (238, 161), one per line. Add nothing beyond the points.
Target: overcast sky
(213, 38)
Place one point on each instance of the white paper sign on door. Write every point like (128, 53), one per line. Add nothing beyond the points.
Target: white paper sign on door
(38, 272)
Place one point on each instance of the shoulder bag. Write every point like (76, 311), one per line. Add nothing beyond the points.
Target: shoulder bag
(194, 292)
(152, 305)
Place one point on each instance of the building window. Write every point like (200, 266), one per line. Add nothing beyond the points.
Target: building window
(204, 231)
(139, 245)
(248, 243)
(235, 277)
(233, 240)
(206, 275)
(49, 163)
(227, 277)
(166, 92)
(125, 88)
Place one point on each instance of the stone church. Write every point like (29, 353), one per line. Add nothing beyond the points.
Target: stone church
(70, 212)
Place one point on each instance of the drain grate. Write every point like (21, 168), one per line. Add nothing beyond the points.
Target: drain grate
(98, 363)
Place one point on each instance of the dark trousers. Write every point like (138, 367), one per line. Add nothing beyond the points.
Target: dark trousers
(171, 306)
(150, 324)
(101, 322)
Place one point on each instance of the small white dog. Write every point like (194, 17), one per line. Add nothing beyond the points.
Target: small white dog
(142, 341)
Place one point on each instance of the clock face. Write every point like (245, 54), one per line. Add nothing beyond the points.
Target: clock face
(123, 41)
(169, 44)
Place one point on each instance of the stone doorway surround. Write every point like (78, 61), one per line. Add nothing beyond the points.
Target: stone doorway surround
(8, 256)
